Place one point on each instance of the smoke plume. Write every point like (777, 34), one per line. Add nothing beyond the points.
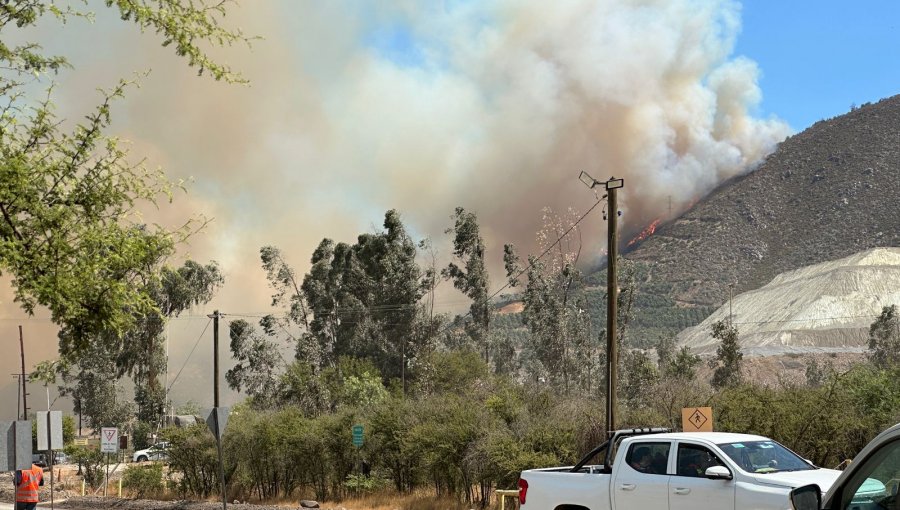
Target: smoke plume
(358, 107)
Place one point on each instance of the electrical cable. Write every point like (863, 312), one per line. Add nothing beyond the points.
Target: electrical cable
(190, 354)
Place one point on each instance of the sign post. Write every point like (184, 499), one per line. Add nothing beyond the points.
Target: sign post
(697, 419)
(358, 432)
(49, 438)
(109, 443)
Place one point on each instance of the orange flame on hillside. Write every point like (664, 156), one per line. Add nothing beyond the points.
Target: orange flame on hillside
(644, 234)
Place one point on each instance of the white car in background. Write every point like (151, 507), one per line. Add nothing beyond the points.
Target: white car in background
(155, 452)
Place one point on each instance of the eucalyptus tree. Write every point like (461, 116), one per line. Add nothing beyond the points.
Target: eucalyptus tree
(470, 276)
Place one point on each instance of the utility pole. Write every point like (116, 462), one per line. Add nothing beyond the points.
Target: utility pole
(612, 293)
(215, 317)
(215, 412)
(24, 395)
(730, 301)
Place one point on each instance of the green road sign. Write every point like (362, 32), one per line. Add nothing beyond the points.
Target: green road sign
(357, 435)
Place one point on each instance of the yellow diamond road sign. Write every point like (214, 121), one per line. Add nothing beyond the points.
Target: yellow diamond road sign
(697, 419)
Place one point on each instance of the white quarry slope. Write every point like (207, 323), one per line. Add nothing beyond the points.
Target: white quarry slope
(823, 307)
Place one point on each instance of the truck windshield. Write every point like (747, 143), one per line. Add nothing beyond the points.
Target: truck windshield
(764, 457)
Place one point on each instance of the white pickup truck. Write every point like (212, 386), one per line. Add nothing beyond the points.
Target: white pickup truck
(655, 469)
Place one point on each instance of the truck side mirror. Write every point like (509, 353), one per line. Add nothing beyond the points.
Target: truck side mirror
(808, 497)
(718, 473)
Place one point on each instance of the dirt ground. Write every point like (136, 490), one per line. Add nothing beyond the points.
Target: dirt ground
(91, 503)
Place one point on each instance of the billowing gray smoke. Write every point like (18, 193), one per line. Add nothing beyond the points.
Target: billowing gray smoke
(358, 107)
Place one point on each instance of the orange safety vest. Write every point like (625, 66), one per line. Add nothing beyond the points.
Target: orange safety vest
(27, 490)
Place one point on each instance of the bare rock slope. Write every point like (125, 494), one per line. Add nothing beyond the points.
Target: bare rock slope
(823, 307)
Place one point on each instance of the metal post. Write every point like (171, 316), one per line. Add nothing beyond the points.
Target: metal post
(730, 301)
(106, 482)
(24, 395)
(49, 448)
(612, 293)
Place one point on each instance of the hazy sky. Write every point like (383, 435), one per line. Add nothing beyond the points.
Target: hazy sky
(358, 107)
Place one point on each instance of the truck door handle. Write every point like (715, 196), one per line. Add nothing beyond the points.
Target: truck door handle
(627, 486)
(681, 491)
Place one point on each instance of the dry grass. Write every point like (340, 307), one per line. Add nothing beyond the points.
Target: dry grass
(394, 501)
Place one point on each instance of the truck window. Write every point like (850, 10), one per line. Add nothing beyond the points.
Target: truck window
(877, 483)
(764, 457)
(694, 460)
(650, 458)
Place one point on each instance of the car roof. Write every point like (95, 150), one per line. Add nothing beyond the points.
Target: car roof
(712, 437)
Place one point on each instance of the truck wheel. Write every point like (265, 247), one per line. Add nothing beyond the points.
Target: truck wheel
(143, 458)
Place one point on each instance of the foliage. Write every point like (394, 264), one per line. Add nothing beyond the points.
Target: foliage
(257, 367)
(358, 483)
(71, 237)
(884, 338)
(192, 454)
(92, 463)
(639, 374)
(728, 360)
(140, 435)
(827, 424)
(471, 278)
(143, 481)
(684, 366)
(561, 347)
(89, 377)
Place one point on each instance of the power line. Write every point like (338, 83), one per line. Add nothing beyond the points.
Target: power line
(530, 264)
(190, 354)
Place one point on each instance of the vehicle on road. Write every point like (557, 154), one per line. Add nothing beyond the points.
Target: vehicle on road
(159, 451)
(656, 469)
(870, 482)
(39, 460)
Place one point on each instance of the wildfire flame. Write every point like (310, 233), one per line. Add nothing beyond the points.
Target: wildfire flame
(647, 232)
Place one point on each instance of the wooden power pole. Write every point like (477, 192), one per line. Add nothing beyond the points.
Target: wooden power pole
(22, 378)
(612, 295)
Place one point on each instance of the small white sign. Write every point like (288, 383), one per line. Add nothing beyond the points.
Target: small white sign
(109, 440)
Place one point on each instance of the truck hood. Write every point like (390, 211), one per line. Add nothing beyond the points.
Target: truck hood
(824, 478)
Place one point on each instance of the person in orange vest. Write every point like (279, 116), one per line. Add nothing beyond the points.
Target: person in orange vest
(27, 483)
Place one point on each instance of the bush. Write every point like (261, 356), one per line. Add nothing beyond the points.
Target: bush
(143, 481)
(91, 461)
(192, 453)
(361, 484)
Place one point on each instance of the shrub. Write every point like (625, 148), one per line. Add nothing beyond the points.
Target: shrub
(143, 481)
(91, 461)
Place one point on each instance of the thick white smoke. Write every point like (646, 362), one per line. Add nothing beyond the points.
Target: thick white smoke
(356, 108)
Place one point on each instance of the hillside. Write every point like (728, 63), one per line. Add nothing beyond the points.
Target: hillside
(826, 307)
(825, 193)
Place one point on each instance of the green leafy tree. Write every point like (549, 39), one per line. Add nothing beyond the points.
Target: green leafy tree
(364, 300)
(70, 235)
(884, 338)
(258, 367)
(684, 365)
(638, 376)
(471, 277)
(90, 379)
(729, 359)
